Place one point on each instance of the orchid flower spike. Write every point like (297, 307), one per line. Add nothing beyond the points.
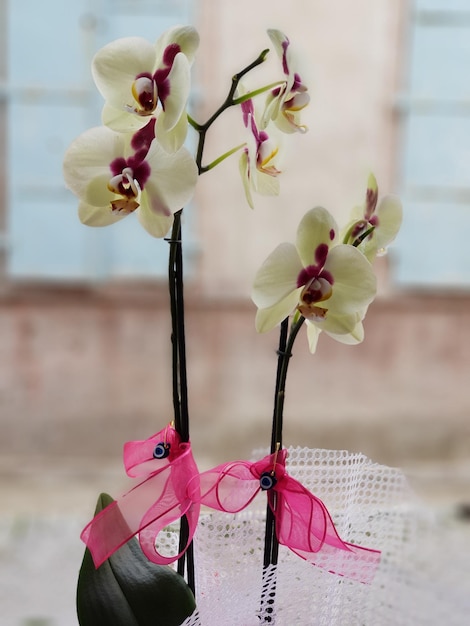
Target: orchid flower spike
(164, 466)
(115, 174)
(303, 523)
(139, 80)
(285, 103)
(258, 160)
(374, 225)
(329, 283)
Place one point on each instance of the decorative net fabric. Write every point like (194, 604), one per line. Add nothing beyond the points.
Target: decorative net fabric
(423, 577)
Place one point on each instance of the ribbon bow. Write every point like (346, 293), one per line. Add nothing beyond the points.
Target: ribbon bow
(303, 523)
(165, 465)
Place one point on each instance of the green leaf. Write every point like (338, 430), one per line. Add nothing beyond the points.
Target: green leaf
(129, 590)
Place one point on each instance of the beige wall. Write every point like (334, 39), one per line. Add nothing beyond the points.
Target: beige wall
(82, 373)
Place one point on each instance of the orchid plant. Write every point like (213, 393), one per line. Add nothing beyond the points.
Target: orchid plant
(137, 163)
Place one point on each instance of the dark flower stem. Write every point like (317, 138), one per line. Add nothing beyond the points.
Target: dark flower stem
(180, 383)
(229, 101)
(271, 543)
(175, 279)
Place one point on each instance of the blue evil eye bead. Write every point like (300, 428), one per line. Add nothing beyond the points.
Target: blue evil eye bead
(161, 450)
(267, 481)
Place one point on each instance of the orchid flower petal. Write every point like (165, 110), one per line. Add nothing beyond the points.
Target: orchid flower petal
(175, 102)
(355, 283)
(313, 334)
(185, 37)
(349, 326)
(116, 66)
(257, 164)
(268, 318)
(89, 156)
(284, 104)
(317, 228)
(372, 227)
(289, 122)
(117, 174)
(272, 108)
(120, 120)
(155, 222)
(173, 179)
(136, 78)
(244, 168)
(280, 43)
(352, 338)
(267, 185)
(277, 277)
(390, 215)
(98, 215)
(172, 141)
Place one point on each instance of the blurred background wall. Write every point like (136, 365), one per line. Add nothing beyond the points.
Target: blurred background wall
(83, 312)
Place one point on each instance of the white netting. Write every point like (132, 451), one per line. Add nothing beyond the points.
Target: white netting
(423, 579)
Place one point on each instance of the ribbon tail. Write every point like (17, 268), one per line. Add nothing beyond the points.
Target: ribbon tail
(149, 533)
(304, 525)
(106, 533)
(121, 520)
(174, 502)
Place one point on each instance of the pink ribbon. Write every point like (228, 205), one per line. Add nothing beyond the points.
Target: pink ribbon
(302, 521)
(165, 466)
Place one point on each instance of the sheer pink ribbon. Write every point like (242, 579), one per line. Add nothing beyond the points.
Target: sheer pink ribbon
(166, 466)
(302, 521)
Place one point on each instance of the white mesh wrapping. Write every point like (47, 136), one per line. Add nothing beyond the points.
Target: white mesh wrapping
(421, 578)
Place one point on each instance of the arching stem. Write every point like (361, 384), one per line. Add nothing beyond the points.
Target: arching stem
(271, 543)
(180, 383)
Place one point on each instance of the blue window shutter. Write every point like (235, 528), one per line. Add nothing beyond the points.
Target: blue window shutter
(432, 248)
(52, 100)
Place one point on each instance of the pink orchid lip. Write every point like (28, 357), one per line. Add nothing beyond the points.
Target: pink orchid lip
(316, 290)
(148, 90)
(298, 102)
(135, 172)
(145, 92)
(128, 176)
(125, 184)
(128, 188)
